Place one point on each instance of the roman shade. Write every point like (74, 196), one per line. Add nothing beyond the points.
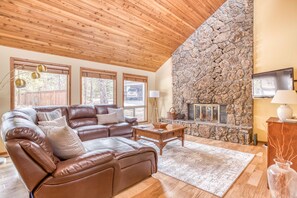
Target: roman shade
(133, 77)
(98, 74)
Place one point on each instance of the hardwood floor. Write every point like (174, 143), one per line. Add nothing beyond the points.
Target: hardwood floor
(251, 184)
(11, 185)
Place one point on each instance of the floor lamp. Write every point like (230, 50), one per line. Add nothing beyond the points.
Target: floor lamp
(154, 95)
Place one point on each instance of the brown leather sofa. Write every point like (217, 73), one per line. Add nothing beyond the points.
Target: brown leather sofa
(110, 164)
(83, 119)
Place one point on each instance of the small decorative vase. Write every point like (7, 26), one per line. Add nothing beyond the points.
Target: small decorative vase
(282, 180)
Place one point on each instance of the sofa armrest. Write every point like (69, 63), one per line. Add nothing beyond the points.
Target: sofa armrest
(83, 162)
(39, 155)
(131, 120)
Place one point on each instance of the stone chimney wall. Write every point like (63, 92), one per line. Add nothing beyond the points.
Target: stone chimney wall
(215, 64)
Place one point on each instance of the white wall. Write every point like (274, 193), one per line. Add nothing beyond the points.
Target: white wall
(7, 52)
(164, 85)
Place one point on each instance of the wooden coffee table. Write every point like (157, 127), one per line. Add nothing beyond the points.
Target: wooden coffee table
(160, 138)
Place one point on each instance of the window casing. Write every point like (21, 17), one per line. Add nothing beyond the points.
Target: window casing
(98, 86)
(135, 96)
(52, 88)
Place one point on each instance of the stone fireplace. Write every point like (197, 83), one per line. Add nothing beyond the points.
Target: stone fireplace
(212, 75)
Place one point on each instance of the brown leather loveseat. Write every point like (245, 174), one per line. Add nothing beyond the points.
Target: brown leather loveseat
(109, 165)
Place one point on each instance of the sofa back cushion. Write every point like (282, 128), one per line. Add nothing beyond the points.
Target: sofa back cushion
(28, 111)
(103, 109)
(52, 108)
(81, 115)
(16, 114)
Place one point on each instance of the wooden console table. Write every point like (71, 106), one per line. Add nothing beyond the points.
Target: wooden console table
(160, 138)
(274, 135)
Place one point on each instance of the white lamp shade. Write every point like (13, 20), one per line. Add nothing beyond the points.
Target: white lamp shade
(154, 94)
(285, 97)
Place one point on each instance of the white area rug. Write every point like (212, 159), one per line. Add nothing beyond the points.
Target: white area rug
(209, 168)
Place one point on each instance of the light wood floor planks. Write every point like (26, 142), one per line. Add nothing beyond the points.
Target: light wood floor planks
(251, 184)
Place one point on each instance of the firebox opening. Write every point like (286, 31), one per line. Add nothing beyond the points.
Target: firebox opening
(214, 113)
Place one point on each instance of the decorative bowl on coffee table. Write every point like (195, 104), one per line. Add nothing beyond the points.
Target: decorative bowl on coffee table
(160, 125)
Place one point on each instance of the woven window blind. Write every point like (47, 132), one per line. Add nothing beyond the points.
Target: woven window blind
(31, 66)
(99, 74)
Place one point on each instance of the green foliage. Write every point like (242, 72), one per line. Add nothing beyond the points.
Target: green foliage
(97, 91)
(47, 82)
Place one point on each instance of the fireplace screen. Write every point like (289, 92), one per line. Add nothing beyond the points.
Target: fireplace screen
(209, 113)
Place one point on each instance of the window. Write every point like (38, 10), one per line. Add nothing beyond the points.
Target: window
(52, 88)
(98, 86)
(135, 96)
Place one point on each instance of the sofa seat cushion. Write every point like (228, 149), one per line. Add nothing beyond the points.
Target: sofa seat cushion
(128, 152)
(119, 146)
(120, 129)
(92, 132)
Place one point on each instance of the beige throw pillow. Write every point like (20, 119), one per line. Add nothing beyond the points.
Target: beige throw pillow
(59, 122)
(66, 144)
(48, 116)
(120, 113)
(107, 118)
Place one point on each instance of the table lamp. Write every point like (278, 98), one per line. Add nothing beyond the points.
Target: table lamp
(285, 97)
(154, 94)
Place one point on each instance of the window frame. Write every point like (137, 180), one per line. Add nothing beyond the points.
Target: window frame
(12, 77)
(146, 91)
(85, 69)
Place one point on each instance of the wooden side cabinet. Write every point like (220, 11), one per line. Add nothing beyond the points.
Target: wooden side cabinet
(276, 135)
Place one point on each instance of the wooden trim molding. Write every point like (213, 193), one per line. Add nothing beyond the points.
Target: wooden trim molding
(11, 83)
(105, 74)
(34, 63)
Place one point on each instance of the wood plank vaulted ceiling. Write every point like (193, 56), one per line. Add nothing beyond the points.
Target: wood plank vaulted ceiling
(139, 34)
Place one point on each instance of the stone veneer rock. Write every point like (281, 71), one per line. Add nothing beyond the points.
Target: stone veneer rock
(215, 65)
(223, 132)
